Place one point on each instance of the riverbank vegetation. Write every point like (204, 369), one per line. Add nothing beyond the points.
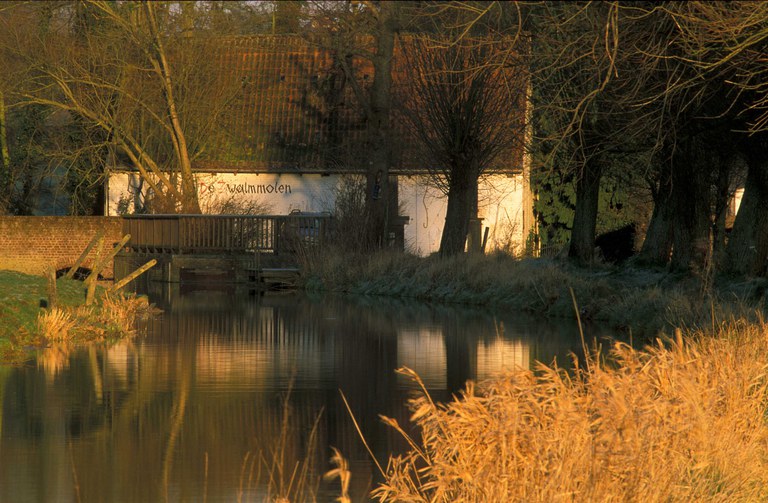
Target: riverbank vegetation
(641, 299)
(677, 422)
(25, 325)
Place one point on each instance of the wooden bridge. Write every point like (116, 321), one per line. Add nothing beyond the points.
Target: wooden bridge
(225, 234)
(240, 248)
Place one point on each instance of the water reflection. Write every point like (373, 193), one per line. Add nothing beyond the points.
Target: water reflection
(183, 413)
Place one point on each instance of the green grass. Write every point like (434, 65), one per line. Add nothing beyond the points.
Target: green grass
(20, 296)
(21, 328)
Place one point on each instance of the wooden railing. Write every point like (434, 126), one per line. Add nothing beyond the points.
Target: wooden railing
(224, 234)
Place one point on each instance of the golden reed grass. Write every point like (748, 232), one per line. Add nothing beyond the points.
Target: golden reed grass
(122, 311)
(684, 421)
(284, 469)
(116, 316)
(56, 324)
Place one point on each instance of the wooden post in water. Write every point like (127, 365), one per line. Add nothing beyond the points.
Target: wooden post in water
(100, 264)
(90, 281)
(71, 273)
(53, 294)
(135, 274)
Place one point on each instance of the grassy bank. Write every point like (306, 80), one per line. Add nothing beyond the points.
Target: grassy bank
(24, 325)
(686, 422)
(643, 300)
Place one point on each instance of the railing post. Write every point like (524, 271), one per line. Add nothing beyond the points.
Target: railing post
(274, 235)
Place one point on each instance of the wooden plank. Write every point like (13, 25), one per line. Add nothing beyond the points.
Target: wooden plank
(135, 274)
(70, 274)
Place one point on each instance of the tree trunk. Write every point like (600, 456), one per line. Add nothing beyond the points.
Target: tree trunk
(657, 246)
(5, 160)
(457, 214)
(189, 202)
(582, 246)
(747, 250)
(691, 218)
(377, 175)
(475, 228)
(722, 198)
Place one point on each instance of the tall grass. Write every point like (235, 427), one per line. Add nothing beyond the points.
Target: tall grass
(120, 312)
(682, 422)
(56, 324)
(114, 317)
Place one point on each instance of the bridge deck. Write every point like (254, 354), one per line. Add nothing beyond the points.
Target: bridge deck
(225, 234)
(259, 249)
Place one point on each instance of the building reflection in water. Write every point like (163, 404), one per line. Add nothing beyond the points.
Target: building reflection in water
(183, 412)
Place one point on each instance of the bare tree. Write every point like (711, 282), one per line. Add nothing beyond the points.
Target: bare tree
(134, 73)
(366, 30)
(728, 42)
(468, 117)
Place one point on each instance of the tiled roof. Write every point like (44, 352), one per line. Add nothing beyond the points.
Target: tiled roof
(292, 112)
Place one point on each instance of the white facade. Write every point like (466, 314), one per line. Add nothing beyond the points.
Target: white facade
(502, 202)
(501, 206)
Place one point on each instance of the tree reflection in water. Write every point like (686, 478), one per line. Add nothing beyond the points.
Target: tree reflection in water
(194, 410)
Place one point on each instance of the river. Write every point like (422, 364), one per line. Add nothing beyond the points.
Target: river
(226, 390)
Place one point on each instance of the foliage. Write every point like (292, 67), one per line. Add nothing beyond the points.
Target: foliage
(622, 201)
(553, 207)
(27, 141)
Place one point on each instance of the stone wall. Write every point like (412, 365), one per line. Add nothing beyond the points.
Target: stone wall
(32, 244)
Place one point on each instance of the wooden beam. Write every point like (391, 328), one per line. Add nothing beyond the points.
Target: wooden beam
(71, 273)
(135, 274)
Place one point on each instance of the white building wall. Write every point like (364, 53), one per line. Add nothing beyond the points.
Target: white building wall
(271, 193)
(500, 205)
(500, 202)
(425, 206)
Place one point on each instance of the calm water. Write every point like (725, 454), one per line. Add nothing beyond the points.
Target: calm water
(185, 412)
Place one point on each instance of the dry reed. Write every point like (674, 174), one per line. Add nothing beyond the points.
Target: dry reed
(115, 317)
(342, 473)
(289, 477)
(121, 312)
(56, 325)
(679, 422)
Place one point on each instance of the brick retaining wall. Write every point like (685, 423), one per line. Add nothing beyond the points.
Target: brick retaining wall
(32, 244)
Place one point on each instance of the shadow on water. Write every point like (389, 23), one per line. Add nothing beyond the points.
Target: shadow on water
(181, 413)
